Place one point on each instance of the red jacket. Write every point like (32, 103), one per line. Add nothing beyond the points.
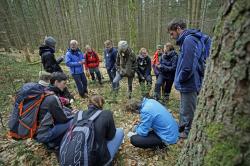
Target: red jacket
(91, 60)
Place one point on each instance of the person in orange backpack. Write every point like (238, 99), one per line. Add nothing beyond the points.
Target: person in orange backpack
(92, 64)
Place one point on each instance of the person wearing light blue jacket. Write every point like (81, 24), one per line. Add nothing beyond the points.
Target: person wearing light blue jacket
(74, 59)
(157, 127)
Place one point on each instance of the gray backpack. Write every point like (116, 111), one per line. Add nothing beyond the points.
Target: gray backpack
(77, 146)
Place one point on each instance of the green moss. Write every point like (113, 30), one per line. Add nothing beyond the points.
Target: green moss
(213, 131)
(222, 153)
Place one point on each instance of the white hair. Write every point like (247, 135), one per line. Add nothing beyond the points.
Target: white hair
(73, 42)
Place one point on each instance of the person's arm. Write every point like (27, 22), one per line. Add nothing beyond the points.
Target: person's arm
(97, 59)
(113, 59)
(149, 67)
(111, 130)
(146, 123)
(173, 65)
(117, 63)
(60, 59)
(69, 63)
(86, 61)
(56, 109)
(134, 62)
(189, 47)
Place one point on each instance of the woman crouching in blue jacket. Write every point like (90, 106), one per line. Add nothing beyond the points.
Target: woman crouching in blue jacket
(157, 127)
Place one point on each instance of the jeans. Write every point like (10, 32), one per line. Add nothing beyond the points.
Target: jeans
(115, 143)
(81, 83)
(117, 79)
(93, 71)
(56, 134)
(187, 109)
(111, 74)
(161, 80)
(150, 141)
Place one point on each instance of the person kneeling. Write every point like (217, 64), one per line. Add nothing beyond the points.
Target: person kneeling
(157, 127)
(93, 138)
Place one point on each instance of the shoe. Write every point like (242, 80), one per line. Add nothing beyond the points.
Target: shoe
(183, 135)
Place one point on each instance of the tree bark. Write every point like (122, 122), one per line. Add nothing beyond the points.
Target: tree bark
(220, 133)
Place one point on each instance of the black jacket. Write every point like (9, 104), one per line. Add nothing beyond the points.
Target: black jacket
(144, 66)
(104, 131)
(168, 64)
(50, 64)
(52, 105)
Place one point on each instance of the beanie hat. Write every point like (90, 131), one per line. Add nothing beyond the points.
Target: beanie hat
(123, 45)
(159, 46)
(50, 41)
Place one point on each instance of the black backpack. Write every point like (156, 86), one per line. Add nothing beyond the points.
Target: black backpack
(77, 146)
(23, 119)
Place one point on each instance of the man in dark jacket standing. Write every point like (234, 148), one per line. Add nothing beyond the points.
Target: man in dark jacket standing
(110, 54)
(187, 78)
(46, 51)
(167, 69)
(126, 66)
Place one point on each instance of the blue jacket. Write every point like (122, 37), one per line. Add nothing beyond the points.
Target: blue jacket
(187, 76)
(168, 63)
(72, 59)
(155, 116)
(110, 58)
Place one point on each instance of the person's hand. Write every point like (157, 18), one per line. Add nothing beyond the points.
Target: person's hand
(74, 111)
(158, 66)
(81, 62)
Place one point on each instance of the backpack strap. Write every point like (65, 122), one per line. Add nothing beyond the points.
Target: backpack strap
(79, 115)
(93, 117)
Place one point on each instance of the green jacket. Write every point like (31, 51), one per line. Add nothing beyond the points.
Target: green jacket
(126, 63)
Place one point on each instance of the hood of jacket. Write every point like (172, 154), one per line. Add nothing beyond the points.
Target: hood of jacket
(193, 32)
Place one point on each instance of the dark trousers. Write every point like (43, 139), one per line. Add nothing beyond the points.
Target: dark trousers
(111, 74)
(81, 83)
(150, 141)
(161, 80)
(93, 71)
(145, 85)
(187, 108)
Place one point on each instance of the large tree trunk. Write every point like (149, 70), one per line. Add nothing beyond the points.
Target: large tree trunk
(220, 133)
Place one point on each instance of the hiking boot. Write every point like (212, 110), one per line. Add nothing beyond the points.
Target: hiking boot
(183, 135)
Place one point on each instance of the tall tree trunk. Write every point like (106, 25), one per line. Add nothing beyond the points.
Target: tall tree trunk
(132, 23)
(220, 133)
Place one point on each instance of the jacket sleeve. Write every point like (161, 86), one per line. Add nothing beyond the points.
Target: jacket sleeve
(134, 62)
(56, 110)
(114, 56)
(117, 62)
(69, 63)
(188, 60)
(111, 130)
(173, 65)
(148, 69)
(97, 59)
(146, 123)
(49, 62)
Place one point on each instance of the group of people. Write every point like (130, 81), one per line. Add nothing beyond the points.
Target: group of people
(157, 127)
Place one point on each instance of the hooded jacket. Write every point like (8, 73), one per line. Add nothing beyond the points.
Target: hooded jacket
(144, 65)
(91, 60)
(187, 76)
(50, 64)
(126, 63)
(168, 64)
(155, 116)
(72, 60)
(110, 58)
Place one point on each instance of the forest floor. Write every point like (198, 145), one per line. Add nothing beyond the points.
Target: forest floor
(14, 72)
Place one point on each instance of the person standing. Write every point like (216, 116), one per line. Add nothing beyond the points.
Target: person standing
(74, 59)
(92, 64)
(156, 60)
(188, 78)
(126, 66)
(144, 72)
(110, 54)
(167, 69)
(46, 51)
